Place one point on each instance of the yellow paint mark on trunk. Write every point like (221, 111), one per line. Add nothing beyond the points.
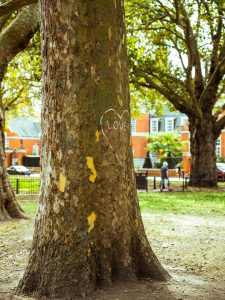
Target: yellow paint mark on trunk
(97, 135)
(93, 70)
(62, 183)
(91, 221)
(90, 164)
(89, 252)
(110, 32)
(131, 141)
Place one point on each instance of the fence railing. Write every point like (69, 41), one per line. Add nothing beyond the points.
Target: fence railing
(150, 180)
(27, 185)
(23, 184)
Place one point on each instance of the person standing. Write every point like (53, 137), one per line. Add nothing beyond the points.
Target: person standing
(164, 176)
(179, 171)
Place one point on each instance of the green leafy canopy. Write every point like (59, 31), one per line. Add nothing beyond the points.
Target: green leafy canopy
(21, 87)
(166, 144)
(176, 49)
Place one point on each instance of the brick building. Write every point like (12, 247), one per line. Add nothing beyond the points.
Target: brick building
(168, 122)
(140, 128)
(22, 142)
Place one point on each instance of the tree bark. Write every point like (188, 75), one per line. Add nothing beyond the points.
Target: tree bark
(11, 5)
(88, 231)
(11, 43)
(203, 156)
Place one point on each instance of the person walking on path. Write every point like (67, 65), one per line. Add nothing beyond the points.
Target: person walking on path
(164, 176)
(179, 171)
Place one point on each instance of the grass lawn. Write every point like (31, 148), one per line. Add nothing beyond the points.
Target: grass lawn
(189, 203)
(189, 242)
(29, 207)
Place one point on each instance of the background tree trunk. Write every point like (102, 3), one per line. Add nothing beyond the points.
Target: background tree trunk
(88, 229)
(11, 43)
(203, 156)
(9, 207)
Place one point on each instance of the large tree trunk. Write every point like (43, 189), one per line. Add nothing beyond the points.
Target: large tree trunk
(203, 156)
(88, 230)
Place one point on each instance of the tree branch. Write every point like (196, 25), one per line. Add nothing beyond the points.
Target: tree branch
(180, 55)
(9, 103)
(216, 44)
(11, 43)
(11, 5)
(213, 83)
(3, 21)
(194, 56)
(171, 96)
(206, 5)
(166, 10)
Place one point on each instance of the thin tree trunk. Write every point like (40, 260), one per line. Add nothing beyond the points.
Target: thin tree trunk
(88, 231)
(13, 39)
(9, 207)
(203, 156)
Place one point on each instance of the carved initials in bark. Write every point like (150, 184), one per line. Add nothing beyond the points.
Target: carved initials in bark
(113, 126)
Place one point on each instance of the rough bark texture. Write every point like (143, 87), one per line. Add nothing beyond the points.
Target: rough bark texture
(13, 39)
(11, 5)
(88, 230)
(203, 162)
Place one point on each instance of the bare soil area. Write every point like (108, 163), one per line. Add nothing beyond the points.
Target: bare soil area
(191, 248)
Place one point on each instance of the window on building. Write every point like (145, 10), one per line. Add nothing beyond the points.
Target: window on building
(133, 125)
(184, 121)
(169, 124)
(218, 147)
(6, 141)
(35, 150)
(153, 155)
(154, 125)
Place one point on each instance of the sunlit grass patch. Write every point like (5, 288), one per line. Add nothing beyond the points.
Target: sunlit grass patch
(194, 203)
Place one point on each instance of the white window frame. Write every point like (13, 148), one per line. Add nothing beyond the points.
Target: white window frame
(152, 121)
(167, 120)
(133, 126)
(218, 147)
(153, 155)
(35, 150)
(6, 140)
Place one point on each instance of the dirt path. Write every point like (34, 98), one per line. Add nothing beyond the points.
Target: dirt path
(191, 248)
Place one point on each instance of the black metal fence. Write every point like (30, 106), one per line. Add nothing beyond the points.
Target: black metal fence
(27, 185)
(151, 181)
(24, 184)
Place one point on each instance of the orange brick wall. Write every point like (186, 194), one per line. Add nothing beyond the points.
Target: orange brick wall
(140, 142)
(186, 161)
(139, 146)
(27, 143)
(142, 123)
(14, 143)
(223, 144)
(185, 137)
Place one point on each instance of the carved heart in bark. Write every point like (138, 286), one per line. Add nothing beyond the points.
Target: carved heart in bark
(114, 128)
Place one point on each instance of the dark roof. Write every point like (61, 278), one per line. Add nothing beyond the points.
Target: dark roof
(25, 127)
